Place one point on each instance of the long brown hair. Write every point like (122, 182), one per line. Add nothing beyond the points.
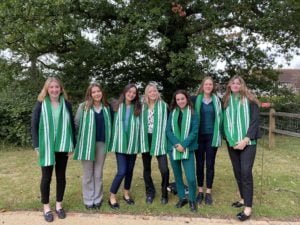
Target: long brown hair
(135, 101)
(200, 90)
(174, 103)
(44, 91)
(244, 91)
(88, 96)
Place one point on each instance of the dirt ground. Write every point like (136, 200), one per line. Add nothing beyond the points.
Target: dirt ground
(36, 218)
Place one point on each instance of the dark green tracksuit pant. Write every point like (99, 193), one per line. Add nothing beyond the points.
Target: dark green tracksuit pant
(189, 170)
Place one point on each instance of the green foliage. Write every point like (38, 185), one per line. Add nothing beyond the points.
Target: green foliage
(287, 102)
(16, 104)
(175, 43)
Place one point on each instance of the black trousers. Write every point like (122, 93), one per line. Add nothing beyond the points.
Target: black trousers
(206, 154)
(61, 159)
(164, 171)
(242, 163)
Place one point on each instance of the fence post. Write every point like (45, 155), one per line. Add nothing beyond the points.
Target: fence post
(272, 127)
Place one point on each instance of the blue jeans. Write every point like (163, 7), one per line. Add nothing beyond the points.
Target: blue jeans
(125, 168)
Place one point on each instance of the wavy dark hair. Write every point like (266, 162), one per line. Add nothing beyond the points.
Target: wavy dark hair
(88, 96)
(135, 101)
(174, 103)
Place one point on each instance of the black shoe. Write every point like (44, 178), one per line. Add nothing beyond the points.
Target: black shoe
(208, 199)
(181, 203)
(193, 206)
(61, 214)
(164, 201)
(48, 216)
(237, 204)
(113, 206)
(149, 200)
(89, 207)
(242, 216)
(98, 205)
(199, 197)
(129, 201)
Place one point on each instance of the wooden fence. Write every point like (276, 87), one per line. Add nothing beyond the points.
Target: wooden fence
(272, 126)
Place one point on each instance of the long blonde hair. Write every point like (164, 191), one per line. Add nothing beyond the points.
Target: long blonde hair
(146, 95)
(244, 91)
(44, 91)
(200, 90)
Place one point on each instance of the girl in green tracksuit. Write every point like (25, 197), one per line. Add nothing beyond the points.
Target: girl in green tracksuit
(182, 133)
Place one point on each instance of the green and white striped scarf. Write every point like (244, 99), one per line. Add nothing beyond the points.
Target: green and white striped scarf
(86, 140)
(125, 141)
(49, 143)
(236, 120)
(216, 142)
(159, 139)
(183, 133)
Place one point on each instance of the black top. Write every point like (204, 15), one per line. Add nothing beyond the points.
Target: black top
(100, 126)
(253, 131)
(35, 122)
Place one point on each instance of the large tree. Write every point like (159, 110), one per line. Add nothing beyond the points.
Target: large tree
(172, 42)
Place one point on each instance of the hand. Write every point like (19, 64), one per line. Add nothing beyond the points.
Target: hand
(36, 151)
(179, 148)
(70, 154)
(240, 145)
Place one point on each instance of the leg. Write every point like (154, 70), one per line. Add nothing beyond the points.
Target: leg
(121, 172)
(45, 186)
(189, 169)
(165, 174)
(236, 164)
(98, 173)
(129, 170)
(61, 159)
(88, 182)
(177, 170)
(200, 159)
(150, 190)
(211, 153)
(247, 161)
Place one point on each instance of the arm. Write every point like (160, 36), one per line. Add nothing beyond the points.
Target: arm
(172, 138)
(77, 117)
(69, 107)
(193, 131)
(35, 122)
(253, 130)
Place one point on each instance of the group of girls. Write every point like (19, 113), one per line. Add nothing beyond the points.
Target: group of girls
(187, 130)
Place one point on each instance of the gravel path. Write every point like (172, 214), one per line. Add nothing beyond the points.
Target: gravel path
(35, 218)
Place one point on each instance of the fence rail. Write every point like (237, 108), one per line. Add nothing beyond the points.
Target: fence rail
(280, 123)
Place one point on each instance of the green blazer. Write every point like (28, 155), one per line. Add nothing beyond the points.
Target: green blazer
(191, 141)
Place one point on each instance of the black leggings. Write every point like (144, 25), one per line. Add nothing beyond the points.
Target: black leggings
(61, 159)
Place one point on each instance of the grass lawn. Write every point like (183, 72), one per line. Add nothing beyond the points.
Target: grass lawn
(276, 194)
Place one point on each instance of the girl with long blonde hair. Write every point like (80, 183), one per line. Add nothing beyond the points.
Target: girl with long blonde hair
(153, 141)
(53, 136)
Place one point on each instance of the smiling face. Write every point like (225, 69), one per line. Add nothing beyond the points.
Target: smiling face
(130, 95)
(181, 100)
(96, 94)
(54, 90)
(152, 94)
(208, 87)
(235, 86)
